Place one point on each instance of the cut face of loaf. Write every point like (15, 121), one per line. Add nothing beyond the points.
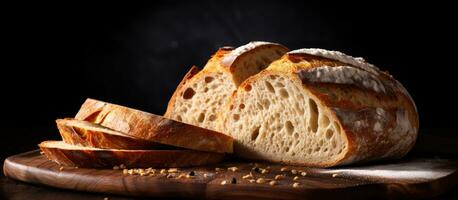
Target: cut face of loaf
(89, 157)
(274, 119)
(321, 108)
(82, 133)
(201, 96)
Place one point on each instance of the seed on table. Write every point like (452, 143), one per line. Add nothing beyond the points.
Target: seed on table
(173, 170)
(293, 171)
(334, 175)
(260, 180)
(223, 182)
(284, 169)
(252, 180)
(124, 171)
(248, 176)
(296, 185)
(279, 177)
(296, 178)
(272, 183)
(233, 180)
(303, 173)
(234, 169)
(264, 171)
(115, 167)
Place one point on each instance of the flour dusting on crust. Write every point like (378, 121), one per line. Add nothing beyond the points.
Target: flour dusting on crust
(230, 58)
(339, 56)
(342, 75)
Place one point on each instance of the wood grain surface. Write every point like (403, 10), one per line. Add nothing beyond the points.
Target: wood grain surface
(410, 178)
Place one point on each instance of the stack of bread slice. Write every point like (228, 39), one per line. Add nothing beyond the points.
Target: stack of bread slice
(103, 135)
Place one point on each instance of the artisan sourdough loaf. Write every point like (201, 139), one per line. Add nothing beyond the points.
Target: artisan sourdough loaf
(89, 157)
(154, 128)
(200, 98)
(321, 108)
(83, 133)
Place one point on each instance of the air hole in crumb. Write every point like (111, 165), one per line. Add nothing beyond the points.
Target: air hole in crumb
(289, 127)
(247, 87)
(266, 103)
(188, 93)
(278, 84)
(212, 117)
(231, 107)
(286, 149)
(269, 87)
(324, 121)
(209, 79)
(201, 117)
(284, 93)
(242, 106)
(329, 134)
(309, 151)
(317, 149)
(296, 135)
(206, 89)
(334, 144)
(255, 134)
(179, 118)
(272, 77)
(313, 115)
(236, 117)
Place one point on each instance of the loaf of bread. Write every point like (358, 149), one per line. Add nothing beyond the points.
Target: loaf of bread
(201, 96)
(83, 133)
(153, 128)
(321, 108)
(89, 157)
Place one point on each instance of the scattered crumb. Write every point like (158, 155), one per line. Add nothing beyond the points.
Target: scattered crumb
(115, 167)
(61, 168)
(293, 171)
(264, 171)
(205, 175)
(296, 185)
(296, 178)
(284, 169)
(223, 182)
(334, 175)
(252, 180)
(303, 173)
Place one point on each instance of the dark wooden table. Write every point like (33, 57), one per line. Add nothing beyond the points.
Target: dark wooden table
(12, 189)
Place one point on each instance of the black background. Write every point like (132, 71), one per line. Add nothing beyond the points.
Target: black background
(56, 55)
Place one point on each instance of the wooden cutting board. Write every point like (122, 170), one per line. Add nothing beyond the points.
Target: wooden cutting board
(409, 178)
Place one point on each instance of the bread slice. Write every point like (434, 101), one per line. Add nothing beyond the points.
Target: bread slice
(153, 128)
(321, 108)
(201, 96)
(89, 157)
(83, 133)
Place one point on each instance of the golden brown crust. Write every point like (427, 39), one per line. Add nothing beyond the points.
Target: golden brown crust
(107, 158)
(88, 134)
(154, 128)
